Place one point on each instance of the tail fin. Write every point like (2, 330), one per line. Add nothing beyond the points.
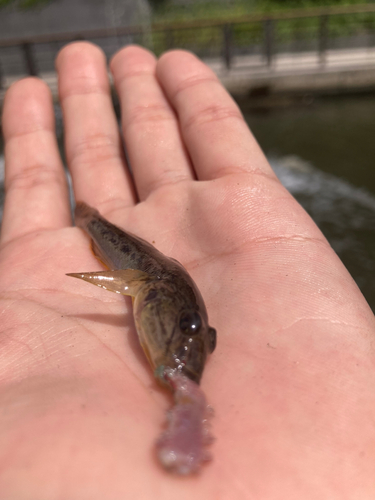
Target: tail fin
(83, 214)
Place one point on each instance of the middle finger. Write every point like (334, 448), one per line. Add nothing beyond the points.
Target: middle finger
(153, 142)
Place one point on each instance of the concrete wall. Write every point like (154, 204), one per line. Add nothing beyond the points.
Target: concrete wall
(64, 16)
(70, 15)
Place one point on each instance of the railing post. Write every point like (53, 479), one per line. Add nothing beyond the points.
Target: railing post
(2, 77)
(227, 38)
(323, 39)
(268, 40)
(29, 59)
(169, 39)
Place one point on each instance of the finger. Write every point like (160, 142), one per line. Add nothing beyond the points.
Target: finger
(92, 139)
(213, 129)
(35, 182)
(153, 142)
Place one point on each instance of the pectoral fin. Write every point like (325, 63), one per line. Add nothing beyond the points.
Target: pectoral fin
(124, 281)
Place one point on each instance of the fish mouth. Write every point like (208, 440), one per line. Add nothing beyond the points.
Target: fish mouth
(163, 374)
(191, 374)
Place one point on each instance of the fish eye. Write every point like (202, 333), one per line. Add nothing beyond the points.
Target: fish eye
(190, 323)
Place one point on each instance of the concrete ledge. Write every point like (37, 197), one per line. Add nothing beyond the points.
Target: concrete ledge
(322, 82)
(343, 71)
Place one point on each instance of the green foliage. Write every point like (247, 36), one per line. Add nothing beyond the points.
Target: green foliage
(155, 4)
(205, 42)
(167, 10)
(278, 5)
(194, 10)
(208, 41)
(24, 4)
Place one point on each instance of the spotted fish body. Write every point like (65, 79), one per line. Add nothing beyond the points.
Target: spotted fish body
(172, 326)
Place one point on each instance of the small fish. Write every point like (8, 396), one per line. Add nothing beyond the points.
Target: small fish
(172, 326)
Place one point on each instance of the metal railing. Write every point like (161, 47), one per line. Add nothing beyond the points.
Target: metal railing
(265, 36)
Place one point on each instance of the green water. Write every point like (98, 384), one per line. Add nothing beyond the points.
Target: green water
(337, 135)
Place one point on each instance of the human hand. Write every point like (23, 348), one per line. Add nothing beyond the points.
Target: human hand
(292, 377)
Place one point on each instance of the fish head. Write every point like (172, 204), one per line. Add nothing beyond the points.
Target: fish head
(196, 339)
(174, 332)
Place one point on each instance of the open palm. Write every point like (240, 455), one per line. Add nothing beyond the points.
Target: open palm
(292, 378)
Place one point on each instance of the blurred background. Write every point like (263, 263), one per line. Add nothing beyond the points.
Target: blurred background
(302, 72)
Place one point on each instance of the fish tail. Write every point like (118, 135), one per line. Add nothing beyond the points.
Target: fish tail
(83, 214)
(83, 217)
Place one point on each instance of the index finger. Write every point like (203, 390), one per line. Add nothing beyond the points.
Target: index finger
(36, 188)
(214, 131)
